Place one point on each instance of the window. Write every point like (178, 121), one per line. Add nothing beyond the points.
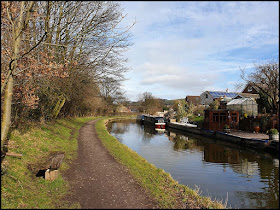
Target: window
(250, 89)
(223, 117)
(219, 117)
(206, 96)
(215, 117)
(234, 117)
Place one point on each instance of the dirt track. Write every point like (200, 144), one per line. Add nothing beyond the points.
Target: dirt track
(98, 181)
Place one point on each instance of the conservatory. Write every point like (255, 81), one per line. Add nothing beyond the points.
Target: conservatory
(244, 106)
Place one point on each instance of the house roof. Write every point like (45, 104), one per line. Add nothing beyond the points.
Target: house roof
(253, 86)
(218, 94)
(193, 99)
(249, 95)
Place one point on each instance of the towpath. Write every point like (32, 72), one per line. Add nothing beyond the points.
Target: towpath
(98, 181)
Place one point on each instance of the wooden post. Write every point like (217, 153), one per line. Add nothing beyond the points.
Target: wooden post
(51, 174)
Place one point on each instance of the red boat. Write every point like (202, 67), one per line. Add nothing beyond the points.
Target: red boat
(160, 125)
(157, 121)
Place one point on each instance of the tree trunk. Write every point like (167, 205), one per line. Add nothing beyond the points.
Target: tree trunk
(6, 122)
(17, 36)
(58, 107)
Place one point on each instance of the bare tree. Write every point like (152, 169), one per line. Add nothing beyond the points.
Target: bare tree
(149, 103)
(88, 36)
(54, 52)
(17, 23)
(265, 79)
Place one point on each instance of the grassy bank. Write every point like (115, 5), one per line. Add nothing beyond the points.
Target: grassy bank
(161, 186)
(20, 188)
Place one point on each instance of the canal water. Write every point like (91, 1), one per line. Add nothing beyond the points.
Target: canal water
(240, 177)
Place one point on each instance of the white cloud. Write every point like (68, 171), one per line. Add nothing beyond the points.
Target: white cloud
(188, 47)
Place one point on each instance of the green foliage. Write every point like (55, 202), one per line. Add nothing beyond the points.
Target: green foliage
(175, 105)
(180, 108)
(197, 119)
(189, 108)
(272, 131)
(161, 186)
(226, 127)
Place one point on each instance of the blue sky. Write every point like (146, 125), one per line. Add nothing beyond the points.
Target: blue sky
(186, 47)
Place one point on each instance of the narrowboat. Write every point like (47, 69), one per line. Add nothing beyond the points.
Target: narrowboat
(154, 120)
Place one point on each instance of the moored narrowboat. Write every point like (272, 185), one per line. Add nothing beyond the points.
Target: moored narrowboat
(154, 120)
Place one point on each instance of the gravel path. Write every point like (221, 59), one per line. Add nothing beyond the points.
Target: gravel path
(98, 181)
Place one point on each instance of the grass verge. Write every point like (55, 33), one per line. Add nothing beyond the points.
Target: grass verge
(20, 188)
(160, 185)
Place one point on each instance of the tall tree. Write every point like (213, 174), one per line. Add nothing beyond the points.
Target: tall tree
(149, 103)
(265, 79)
(17, 19)
(55, 53)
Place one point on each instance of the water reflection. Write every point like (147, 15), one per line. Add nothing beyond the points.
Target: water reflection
(182, 142)
(250, 178)
(219, 154)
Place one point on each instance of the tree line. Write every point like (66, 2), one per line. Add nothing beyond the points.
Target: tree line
(60, 58)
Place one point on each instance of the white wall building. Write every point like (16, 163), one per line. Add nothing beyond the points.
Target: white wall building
(208, 97)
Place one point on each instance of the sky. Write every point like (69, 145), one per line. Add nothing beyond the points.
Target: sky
(184, 48)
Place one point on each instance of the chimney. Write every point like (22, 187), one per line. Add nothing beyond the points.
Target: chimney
(227, 90)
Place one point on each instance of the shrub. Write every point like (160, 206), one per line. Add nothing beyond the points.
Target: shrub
(264, 123)
(272, 131)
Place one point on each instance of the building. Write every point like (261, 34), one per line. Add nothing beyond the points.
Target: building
(249, 91)
(248, 95)
(244, 105)
(223, 102)
(195, 100)
(250, 88)
(215, 120)
(207, 97)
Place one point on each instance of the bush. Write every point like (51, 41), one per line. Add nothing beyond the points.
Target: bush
(198, 110)
(264, 121)
(226, 127)
(272, 131)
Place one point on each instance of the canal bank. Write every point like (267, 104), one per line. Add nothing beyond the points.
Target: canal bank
(250, 140)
